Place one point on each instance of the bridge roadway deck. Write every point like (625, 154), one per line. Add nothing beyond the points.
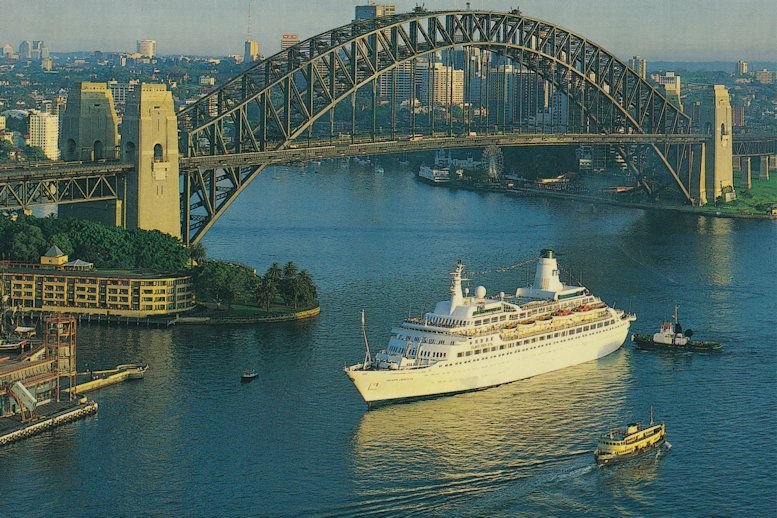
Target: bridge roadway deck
(37, 171)
(301, 151)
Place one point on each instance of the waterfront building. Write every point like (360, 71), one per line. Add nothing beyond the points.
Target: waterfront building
(146, 48)
(44, 132)
(289, 40)
(639, 65)
(742, 67)
(373, 10)
(60, 285)
(251, 51)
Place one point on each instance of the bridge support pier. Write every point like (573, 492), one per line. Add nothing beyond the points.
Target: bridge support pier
(717, 123)
(747, 179)
(698, 180)
(90, 132)
(149, 139)
(763, 172)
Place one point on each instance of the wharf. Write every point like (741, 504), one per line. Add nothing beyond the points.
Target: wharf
(48, 416)
(109, 377)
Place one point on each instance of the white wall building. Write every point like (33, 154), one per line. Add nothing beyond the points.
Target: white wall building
(447, 84)
(147, 48)
(44, 130)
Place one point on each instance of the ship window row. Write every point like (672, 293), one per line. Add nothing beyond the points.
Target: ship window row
(536, 339)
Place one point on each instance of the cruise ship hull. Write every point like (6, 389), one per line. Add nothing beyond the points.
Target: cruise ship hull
(489, 370)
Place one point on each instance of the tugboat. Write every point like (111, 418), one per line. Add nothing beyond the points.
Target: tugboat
(672, 336)
(636, 439)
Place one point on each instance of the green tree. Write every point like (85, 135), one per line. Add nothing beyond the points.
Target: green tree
(266, 291)
(308, 288)
(62, 241)
(274, 273)
(5, 147)
(288, 287)
(27, 244)
(34, 154)
(197, 253)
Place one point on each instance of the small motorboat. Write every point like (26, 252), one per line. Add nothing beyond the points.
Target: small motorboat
(635, 439)
(14, 346)
(248, 376)
(672, 336)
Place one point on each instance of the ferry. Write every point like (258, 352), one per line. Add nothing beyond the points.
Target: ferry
(672, 336)
(476, 341)
(635, 439)
(434, 175)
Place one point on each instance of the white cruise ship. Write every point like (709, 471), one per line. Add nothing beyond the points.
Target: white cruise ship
(474, 342)
(434, 175)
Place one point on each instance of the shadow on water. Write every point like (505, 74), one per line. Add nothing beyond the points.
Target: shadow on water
(508, 440)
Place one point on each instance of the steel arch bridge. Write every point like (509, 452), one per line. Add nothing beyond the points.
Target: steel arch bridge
(289, 101)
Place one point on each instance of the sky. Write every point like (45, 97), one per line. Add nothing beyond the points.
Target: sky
(665, 30)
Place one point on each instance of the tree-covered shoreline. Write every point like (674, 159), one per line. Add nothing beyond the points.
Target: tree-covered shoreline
(26, 238)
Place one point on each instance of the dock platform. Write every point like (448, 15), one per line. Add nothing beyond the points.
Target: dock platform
(48, 416)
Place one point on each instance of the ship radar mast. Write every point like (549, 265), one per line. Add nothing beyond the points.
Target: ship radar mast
(457, 299)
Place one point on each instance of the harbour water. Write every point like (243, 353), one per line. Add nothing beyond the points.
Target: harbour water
(191, 439)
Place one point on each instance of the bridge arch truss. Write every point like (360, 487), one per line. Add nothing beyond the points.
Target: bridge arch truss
(291, 99)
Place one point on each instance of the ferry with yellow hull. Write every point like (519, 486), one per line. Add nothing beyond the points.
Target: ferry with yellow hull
(635, 439)
(475, 341)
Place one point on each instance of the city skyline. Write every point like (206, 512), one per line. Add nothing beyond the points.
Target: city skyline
(662, 33)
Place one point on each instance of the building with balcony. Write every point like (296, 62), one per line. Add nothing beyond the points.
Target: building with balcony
(59, 285)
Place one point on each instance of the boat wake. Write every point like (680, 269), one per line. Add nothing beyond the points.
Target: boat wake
(504, 484)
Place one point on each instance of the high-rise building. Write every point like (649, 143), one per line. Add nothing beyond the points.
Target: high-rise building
(8, 51)
(2, 122)
(402, 88)
(766, 77)
(440, 84)
(738, 116)
(251, 51)
(44, 129)
(671, 83)
(147, 48)
(289, 40)
(373, 10)
(36, 53)
(639, 65)
(120, 92)
(25, 49)
(742, 67)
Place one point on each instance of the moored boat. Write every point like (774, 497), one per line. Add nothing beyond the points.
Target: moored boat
(671, 336)
(434, 175)
(12, 346)
(635, 439)
(248, 376)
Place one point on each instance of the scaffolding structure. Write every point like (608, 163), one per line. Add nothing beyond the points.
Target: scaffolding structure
(59, 340)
